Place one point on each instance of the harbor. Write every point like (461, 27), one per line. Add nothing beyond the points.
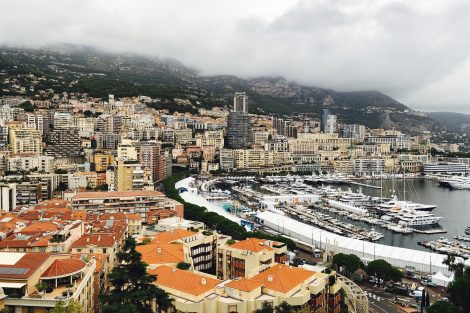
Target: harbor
(356, 221)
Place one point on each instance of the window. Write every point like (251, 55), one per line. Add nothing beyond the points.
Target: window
(232, 308)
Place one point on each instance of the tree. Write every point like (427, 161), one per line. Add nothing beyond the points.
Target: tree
(459, 291)
(266, 307)
(349, 263)
(183, 266)
(284, 307)
(383, 270)
(456, 267)
(42, 286)
(442, 307)
(133, 288)
(72, 306)
(27, 106)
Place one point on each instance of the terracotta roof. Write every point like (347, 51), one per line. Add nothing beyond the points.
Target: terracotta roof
(100, 240)
(134, 217)
(30, 215)
(161, 253)
(40, 227)
(184, 281)
(30, 261)
(53, 203)
(117, 194)
(62, 267)
(100, 258)
(25, 241)
(79, 215)
(115, 216)
(174, 235)
(252, 244)
(244, 284)
(283, 278)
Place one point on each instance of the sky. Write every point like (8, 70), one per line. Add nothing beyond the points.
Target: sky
(417, 51)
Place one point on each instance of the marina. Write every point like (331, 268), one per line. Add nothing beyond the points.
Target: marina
(422, 196)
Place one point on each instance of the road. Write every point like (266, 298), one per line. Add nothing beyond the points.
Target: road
(379, 300)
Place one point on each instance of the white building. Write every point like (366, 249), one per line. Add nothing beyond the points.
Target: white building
(7, 197)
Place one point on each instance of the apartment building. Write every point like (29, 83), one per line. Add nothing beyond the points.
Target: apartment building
(197, 292)
(41, 163)
(136, 202)
(20, 274)
(248, 257)
(25, 141)
(129, 175)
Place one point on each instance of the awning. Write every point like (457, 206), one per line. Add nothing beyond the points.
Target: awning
(11, 285)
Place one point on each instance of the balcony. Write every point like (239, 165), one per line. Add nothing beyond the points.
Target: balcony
(63, 291)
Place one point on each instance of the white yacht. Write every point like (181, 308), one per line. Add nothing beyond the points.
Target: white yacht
(355, 199)
(395, 203)
(462, 183)
(416, 218)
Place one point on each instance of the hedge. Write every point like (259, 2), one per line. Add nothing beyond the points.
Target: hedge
(215, 221)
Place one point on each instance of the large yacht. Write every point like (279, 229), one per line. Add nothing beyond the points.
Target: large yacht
(355, 199)
(395, 203)
(459, 183)
(409, 217)
(416, 218)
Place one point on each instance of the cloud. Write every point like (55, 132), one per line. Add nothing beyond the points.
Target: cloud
(407, 49)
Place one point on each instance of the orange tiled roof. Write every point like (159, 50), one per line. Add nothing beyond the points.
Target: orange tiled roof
(174, 235)
(115, 216)
(283, 278)
(62, 267)
(244, 284)
(53, 203)
(100, 240)
(100, 258)
(116, 194)
(79, 215)
(18, 241)
(40, 227)
(184, 281)
(30, 261)
(252, 244)
(161, 253)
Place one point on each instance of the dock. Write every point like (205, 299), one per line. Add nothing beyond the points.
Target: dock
(364, 185)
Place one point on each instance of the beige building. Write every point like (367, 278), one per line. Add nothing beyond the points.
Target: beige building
(202, 293)
(25, 141)
(23, 271)
(248, 257)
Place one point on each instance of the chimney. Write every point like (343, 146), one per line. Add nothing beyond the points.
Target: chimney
(87, 239)
(99, 238)
(270, 278)
(159, 250)
(203, 281)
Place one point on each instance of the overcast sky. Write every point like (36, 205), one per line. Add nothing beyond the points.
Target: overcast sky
(417, 51)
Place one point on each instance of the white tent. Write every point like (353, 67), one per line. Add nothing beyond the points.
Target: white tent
(441, 280)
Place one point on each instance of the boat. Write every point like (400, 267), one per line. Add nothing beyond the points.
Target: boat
(395, 203)
(355, 199)
(409, 217)
(467, 230)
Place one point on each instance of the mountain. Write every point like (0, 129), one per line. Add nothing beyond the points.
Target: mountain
(79, 69)
(452, 121)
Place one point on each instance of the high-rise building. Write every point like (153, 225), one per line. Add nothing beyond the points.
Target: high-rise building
(327, 122)
(284, 127)
(240, 102)
(7, 197)
(25, 141)
(238, 123)
(238, 130)
(129, 176)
